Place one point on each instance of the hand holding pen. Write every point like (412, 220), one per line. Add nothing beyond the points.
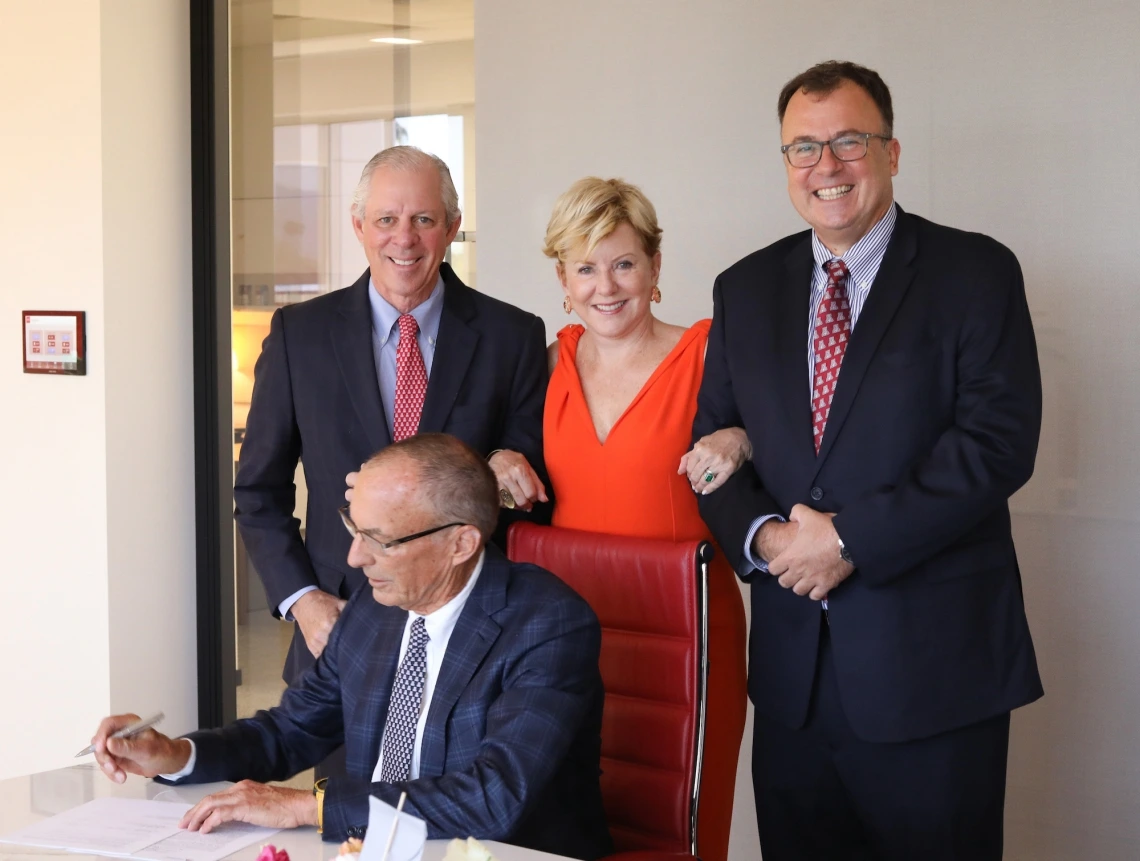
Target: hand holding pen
(124, 744)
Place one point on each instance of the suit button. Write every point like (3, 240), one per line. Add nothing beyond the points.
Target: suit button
(817, 493)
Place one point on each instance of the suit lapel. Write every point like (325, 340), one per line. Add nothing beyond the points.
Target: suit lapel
(474, 635)
(352, 345)
(384, 650)
(791, 342)
(891, 283)
(455, 346)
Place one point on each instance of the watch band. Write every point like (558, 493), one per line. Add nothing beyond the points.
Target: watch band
(319, 794)
(844, 554)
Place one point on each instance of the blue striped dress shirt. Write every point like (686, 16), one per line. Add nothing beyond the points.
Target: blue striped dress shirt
(862, 260)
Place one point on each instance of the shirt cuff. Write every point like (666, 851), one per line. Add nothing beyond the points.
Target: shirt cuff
(757, 563)
(189, 767)
(285, 606)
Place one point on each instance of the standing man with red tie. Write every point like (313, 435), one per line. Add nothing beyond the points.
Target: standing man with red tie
(885, 370)
(408, 348)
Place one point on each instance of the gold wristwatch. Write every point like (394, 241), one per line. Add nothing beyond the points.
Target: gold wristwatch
(319, 794)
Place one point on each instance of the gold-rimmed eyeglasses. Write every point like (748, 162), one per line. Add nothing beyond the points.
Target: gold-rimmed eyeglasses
(851, 146)
(384, 546)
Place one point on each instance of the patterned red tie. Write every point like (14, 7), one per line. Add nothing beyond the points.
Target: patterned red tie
(411, 381)
(829, 343)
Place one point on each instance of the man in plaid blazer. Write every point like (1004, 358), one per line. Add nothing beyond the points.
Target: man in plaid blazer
(504, 741)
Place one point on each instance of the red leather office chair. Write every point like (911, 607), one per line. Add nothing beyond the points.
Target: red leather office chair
(652, 600)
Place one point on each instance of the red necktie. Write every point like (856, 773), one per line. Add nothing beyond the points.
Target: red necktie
(829, 343)
(411, 381)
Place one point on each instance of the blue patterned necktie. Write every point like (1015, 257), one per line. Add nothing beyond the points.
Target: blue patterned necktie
(404, 707)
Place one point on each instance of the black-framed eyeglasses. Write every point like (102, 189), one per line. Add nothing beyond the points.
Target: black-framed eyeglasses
(848, 147)
(355, 530)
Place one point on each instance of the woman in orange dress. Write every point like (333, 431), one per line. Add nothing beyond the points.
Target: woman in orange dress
(618, 423)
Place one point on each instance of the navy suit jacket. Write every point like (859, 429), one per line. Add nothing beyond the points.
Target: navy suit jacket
(316, 398)
(511, 746)
(933, 426)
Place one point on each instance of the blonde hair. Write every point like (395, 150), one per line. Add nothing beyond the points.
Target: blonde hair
(591, 209)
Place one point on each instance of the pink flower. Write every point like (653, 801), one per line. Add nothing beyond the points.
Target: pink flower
(272, 853)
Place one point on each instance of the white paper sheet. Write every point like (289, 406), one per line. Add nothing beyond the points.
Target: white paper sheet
(135, 828)
(411, 834)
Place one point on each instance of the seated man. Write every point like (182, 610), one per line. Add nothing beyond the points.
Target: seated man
(465, 680)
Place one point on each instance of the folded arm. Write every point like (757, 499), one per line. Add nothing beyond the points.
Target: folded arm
(732, 511)
(519, 466)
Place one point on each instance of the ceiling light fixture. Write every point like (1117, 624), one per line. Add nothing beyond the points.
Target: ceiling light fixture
(396, 40)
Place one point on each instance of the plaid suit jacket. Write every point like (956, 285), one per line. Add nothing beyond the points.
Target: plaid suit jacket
(512, 742)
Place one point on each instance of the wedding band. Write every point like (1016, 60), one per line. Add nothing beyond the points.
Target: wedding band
(505, 498)
(710, 476)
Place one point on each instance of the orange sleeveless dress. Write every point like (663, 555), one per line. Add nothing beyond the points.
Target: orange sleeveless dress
(629, 486)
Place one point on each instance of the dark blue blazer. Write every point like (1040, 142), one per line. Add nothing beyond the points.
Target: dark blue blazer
(512, 742)
(933, 427)
(316, 398)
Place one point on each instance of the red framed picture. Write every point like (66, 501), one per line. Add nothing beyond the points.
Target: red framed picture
(55, 342)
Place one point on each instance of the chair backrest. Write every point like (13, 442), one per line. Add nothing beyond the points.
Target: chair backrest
(651, 598)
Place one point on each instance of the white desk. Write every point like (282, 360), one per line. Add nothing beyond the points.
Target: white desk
(25, 800)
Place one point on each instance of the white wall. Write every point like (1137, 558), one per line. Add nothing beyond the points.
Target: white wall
(96, 494)
(1015, 120)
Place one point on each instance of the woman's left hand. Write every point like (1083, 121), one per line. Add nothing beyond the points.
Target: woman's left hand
(714, 458)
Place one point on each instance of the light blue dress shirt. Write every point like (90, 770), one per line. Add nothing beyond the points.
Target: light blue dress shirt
(385, 341)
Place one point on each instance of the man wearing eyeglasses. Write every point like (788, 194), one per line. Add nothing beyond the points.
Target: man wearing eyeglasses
(886, 372)
(466, 681)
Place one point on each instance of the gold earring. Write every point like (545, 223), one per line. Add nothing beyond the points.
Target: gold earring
(566, 304)
(656, 294)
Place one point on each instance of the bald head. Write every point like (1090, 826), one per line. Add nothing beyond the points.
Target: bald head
(445, 476)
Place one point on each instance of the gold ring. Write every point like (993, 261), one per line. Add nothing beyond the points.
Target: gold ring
(505, 498)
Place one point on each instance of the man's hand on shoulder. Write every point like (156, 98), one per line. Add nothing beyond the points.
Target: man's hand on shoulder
(147, 754)
(255, 803)
(810, 565)
(316, 612)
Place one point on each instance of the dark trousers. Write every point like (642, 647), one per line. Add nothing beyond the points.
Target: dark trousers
(824, 795)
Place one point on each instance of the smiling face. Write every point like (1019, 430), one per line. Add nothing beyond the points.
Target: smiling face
(405, 233)
(610, 287)
(841, 200)
(421, 575)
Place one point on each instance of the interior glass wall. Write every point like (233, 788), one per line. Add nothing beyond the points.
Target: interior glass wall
(317, 87)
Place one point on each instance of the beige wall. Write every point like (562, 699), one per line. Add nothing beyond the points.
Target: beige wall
(97, 519)
(1015, 120)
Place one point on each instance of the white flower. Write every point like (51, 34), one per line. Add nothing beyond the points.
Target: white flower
(468, 850)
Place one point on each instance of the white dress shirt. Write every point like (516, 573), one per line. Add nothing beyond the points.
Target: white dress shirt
(439, 624)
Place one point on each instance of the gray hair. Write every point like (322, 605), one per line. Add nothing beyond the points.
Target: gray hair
(454, 480)
(407, 158)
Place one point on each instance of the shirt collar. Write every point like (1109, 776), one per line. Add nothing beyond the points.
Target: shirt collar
(873, 242)
(385, 315)
(443, 619)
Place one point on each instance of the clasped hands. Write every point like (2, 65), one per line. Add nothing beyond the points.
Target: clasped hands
(151, 753)
(803, 553)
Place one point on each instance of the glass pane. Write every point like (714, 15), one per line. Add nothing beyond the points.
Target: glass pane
(317, 89)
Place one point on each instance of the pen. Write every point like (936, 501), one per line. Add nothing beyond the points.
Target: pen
(127, 731)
